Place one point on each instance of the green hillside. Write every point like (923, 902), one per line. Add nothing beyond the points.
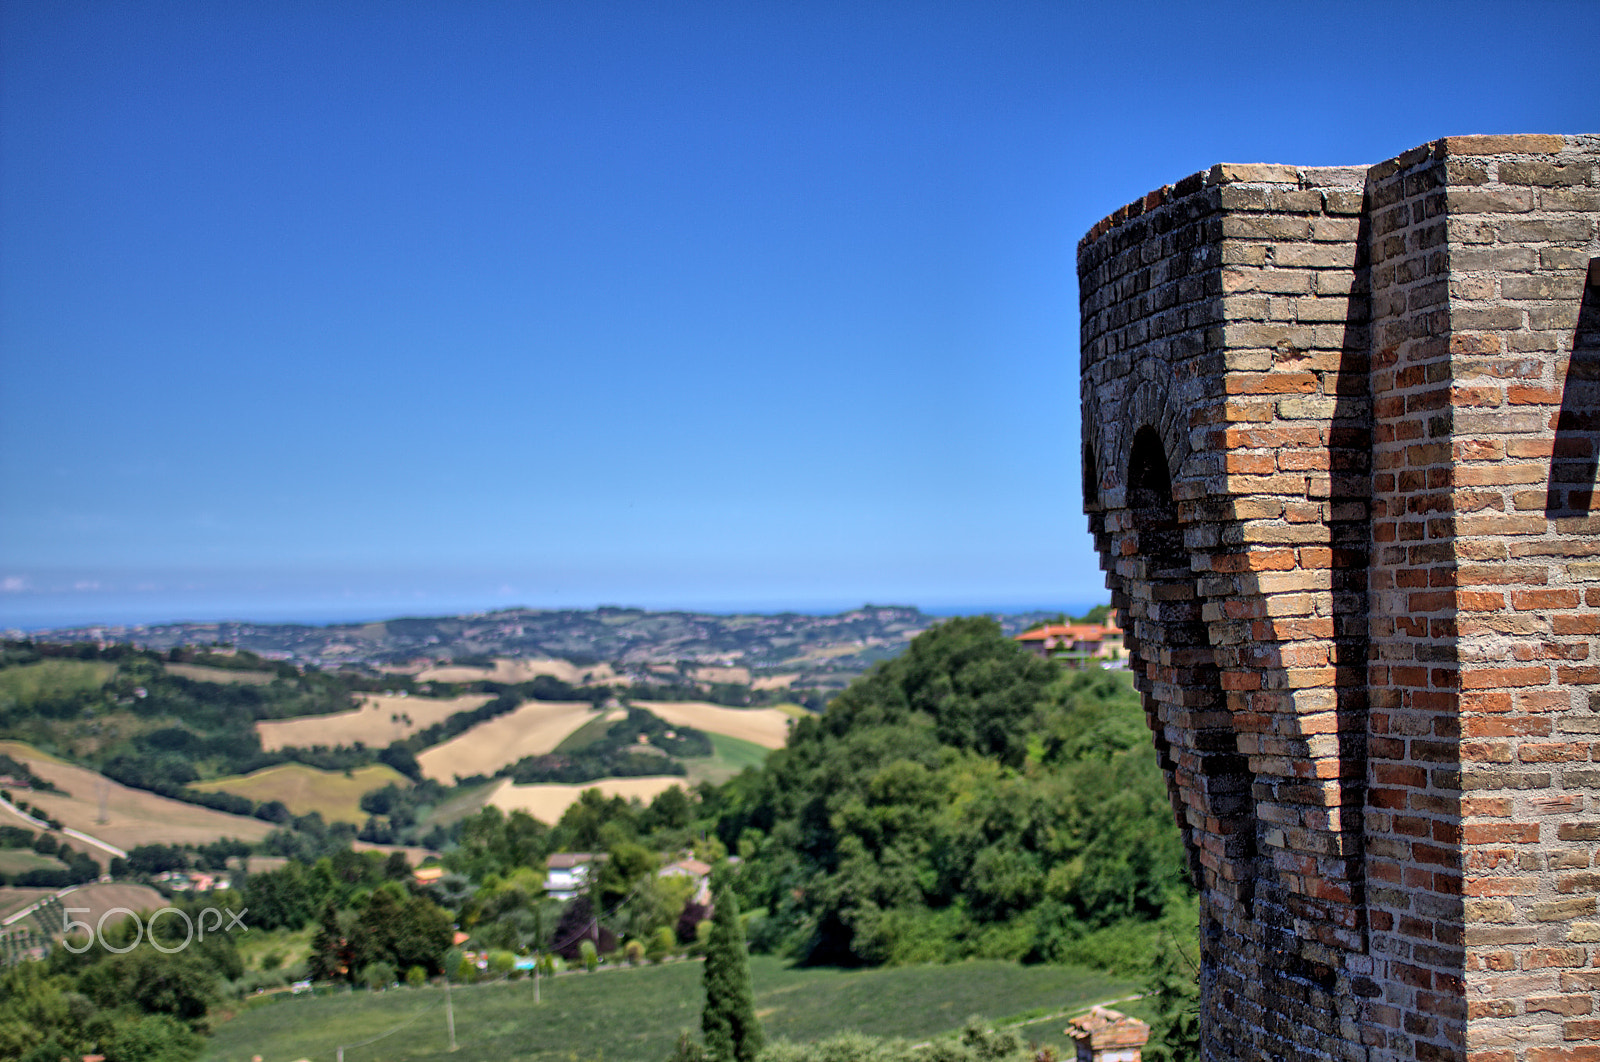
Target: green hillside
(623, 1015)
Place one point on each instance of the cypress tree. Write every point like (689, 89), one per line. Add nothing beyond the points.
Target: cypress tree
(729, 1024)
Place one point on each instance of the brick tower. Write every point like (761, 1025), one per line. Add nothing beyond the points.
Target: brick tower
(1341, 430)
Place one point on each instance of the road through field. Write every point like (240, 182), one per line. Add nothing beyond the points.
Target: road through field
(534, 729)
(133, 816)
(381, 720)
(767, 727)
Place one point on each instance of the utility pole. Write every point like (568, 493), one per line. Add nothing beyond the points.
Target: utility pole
(449, 1013)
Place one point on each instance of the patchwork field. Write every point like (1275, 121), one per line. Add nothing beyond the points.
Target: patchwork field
(548, 803)
(767, 727)
(775, 682)
(381, 720)
(223, 675)
(732, 756)
(508, 670)
(739, 675)
(335, 795)
(534, 729)
(134, 817)
(50, 679)
(101, 898)
(96, 897)
(623, 1015)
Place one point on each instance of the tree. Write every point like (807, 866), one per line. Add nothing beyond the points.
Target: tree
(330, 952)
(728, 1023)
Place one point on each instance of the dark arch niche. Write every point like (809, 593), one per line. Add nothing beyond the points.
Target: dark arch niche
(1184, 700)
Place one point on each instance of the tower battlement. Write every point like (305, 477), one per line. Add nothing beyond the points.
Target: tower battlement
(1340, 436)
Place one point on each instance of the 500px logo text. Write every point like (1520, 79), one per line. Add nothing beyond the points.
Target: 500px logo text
(96, 932)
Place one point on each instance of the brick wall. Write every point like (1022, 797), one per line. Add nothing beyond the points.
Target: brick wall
(1325, 471)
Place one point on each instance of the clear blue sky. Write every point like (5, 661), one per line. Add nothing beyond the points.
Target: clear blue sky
(332, 309)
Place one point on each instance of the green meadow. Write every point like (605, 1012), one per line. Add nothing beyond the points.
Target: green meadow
(623, 1014)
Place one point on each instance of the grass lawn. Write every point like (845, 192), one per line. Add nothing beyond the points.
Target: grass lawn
(19, 860)
(732, 755)
(623, 1015)
(289, 945)
(587, 734)
(336, 794)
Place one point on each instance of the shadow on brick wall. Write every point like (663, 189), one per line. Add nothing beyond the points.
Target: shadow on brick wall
(1576, 457)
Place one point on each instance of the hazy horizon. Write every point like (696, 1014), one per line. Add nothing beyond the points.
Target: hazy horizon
(308, 308)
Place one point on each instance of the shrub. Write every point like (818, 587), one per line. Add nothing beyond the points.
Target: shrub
(416, 977)
(634, 950)
(378, 975)
(590, 957)
(662, 941)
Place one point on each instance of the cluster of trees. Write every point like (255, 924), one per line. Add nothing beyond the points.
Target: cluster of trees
(295, 894)
(76, 867)
(964, 799)
(146, 1005)
(388, 932)
(20, 772)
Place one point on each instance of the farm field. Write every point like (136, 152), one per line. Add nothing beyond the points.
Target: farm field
(465, 802)
(13, 900)
(738, 675)
(134, 816)
(635, 1015)
(101, 898)
(510, 671)
(548, 802)
(533, 729)
(767, 727)
(49, 679)
(336, 795)
(22, 860)
(223, 675)
(732, 756)
(379, 721)
(96, 899)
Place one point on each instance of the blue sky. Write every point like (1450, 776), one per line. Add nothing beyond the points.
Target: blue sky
(326, 310)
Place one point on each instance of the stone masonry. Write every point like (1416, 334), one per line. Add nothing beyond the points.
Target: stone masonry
(1341, 431)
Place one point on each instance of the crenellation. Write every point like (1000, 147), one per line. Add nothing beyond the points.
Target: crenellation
(1350, 418)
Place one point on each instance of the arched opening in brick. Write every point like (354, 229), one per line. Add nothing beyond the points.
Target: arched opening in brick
(1182, 687)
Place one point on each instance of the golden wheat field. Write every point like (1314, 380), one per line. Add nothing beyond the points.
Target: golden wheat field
(547, 803)
(381, 720)
(740, 675)
(767, 727)
(775, 682)
(222, 675)
(133, 816)
(335, 795)
(510, 671)
(533, 729)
